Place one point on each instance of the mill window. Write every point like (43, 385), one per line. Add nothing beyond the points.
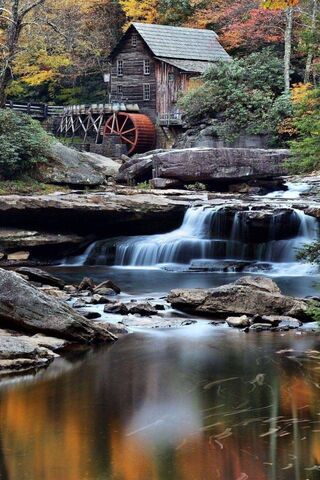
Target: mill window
(120, 68)
(120, 90)
(134, 39)
(146, 67)
(146, 91)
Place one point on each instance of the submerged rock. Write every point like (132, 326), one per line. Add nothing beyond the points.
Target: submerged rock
(107, 286)
(247, 296)
(87, 284)
(116, 308)
(25, 308)
(238, 322)
(143, 309)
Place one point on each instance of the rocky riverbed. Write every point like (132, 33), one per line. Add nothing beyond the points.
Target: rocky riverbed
(42, 316)
(44, 227)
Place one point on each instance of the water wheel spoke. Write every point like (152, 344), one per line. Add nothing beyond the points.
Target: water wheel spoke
(129, 131)
(128, 141)
(117, 124)
(123, 125)
(109, 128)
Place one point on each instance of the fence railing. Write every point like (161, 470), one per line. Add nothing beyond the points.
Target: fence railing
(168, 119)
(36, 110)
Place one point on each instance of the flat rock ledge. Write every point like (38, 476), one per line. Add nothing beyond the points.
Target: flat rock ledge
(20, 353)
(250, 296)
(35, 323)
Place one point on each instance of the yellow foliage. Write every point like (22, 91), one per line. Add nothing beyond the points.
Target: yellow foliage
(140, 10)
(38, 66)
(299, 92)
(279, 4)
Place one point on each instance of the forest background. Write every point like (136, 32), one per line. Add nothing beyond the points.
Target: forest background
(56, 51)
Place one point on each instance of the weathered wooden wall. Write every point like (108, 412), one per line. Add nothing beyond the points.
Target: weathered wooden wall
(133, 77)
(170, 81)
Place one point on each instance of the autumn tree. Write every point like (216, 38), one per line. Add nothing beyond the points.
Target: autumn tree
(141, 10)
(243, 25)
(63, 56)
(288, 7)
(14, 16)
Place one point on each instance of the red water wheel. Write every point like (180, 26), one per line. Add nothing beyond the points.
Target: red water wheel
(136, 131)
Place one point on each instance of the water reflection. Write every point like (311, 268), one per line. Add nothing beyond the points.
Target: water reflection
(193, 404)
(154, 281)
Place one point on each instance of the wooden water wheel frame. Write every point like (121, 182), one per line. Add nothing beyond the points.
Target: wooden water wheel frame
(136, 131)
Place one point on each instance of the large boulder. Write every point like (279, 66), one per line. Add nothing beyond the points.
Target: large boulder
(247, 296)
(67, 166)
(25, 308)
(219, 164)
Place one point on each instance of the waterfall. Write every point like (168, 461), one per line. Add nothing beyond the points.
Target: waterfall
(214, 234)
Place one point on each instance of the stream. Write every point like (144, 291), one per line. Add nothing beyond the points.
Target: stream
(201, 402)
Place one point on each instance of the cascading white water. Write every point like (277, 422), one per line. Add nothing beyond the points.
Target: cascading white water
(215, 235)
(294, 190)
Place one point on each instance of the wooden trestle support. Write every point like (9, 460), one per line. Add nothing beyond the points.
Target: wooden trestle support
(97, 122)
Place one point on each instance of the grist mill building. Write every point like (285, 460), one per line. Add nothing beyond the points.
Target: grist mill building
(152, 64)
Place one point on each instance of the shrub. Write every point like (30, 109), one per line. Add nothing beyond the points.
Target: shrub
(310, 253)
(306, 120)
(243, 95)
(23, 144)
(313, 311)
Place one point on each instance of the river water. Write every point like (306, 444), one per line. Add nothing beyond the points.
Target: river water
(201, 402)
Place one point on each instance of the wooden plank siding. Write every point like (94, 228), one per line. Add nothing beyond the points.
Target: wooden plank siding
(133, 79)
(170, 82)
(166, 81)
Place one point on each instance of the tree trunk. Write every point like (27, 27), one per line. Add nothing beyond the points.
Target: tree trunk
(288, 48)
(310, 52)
(5, 78)
(12, 42)
(12, 39)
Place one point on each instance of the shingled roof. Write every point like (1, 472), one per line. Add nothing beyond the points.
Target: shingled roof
(182, 43)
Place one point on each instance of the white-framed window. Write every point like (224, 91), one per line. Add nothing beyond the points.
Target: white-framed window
(146, 67)
(146, 91)
(134, 40)
(120, 68)
(120, 90)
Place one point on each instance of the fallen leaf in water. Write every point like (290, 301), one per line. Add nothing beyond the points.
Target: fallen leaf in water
(243, 476)
(315, 468)
(218, 382)
(224, 434)
(288, 350)
(269, 432)
(288, 466)
(258, 380)
(219, 443)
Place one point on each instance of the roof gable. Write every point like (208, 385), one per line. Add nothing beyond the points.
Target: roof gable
(178, 42)
(182, 43)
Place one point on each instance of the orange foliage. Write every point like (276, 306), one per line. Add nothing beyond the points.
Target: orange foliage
(241, 24)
